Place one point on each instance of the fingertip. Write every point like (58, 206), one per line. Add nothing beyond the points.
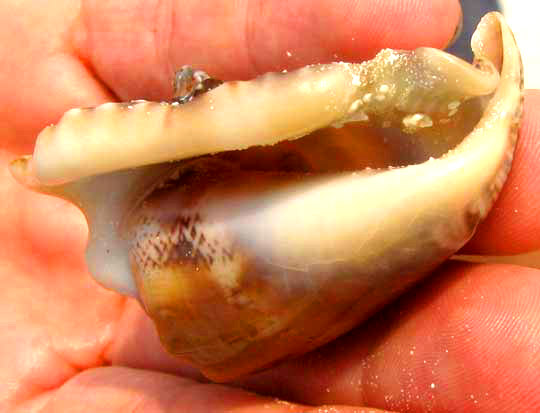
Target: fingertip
(354, 31)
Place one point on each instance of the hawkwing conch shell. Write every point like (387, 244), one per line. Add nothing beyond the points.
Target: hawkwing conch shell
(262, 219)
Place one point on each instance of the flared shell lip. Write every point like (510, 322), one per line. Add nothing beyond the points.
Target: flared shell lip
(61, 155)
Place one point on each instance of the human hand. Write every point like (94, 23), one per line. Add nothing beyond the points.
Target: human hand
(465, 339)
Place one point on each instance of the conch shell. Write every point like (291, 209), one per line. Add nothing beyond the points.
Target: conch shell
(259, 220)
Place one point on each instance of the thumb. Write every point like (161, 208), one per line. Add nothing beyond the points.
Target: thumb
(134, 46)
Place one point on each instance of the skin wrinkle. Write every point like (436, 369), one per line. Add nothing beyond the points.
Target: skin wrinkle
(75, 367)
(249, 28)
(99, 360)
(36, 404)
(81, 41)
(35, 380)
(169, 30)
(136, 392)
(69, 365)
(103, 354)
(76, 37)
(162, 34)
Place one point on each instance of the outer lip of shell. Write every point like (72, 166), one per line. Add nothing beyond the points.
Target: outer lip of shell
(237, 115)
(446, 198)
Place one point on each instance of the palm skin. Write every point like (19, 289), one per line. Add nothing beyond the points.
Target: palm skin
(466, 339)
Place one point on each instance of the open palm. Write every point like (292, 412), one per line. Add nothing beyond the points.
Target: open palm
(467, 339)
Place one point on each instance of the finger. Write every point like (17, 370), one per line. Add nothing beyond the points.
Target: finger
(514, 222)
(134, 46)
(55, 319)
(41, 76)
(116, 389)
(467, 340)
